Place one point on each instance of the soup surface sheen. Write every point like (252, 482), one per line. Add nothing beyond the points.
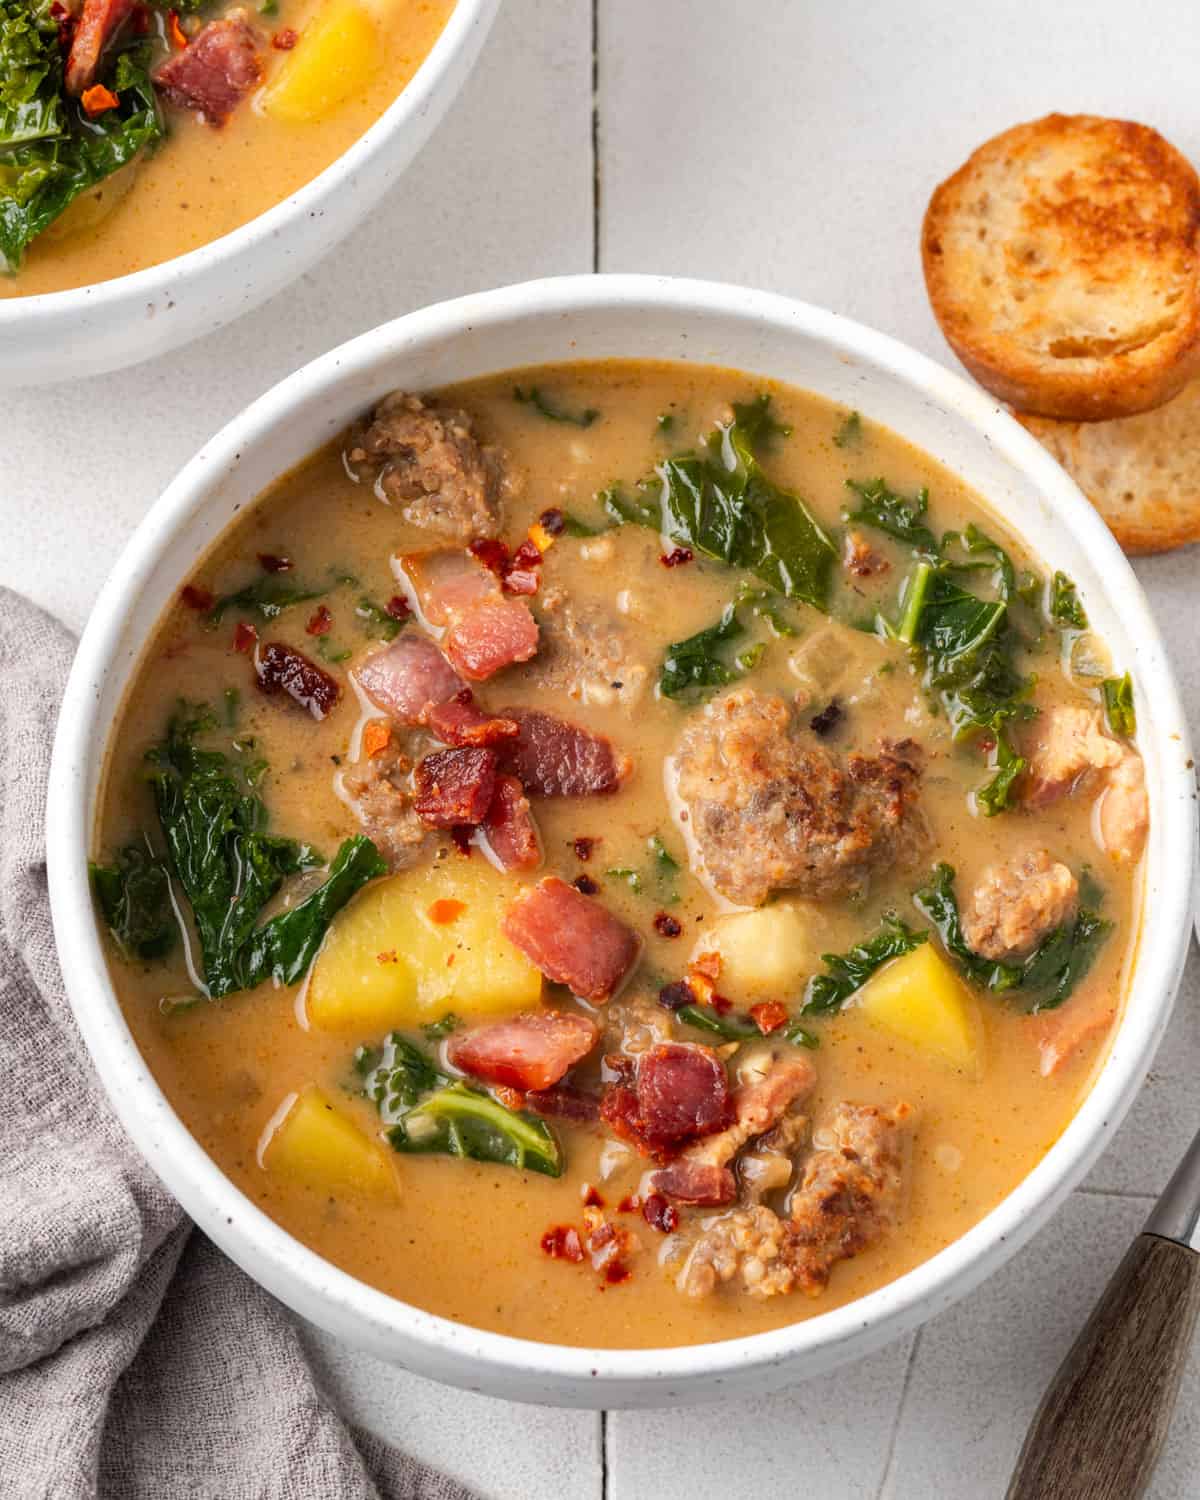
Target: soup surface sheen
(989, 1086)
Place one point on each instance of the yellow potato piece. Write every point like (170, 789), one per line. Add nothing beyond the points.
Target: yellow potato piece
(765, 953)
(335, 58)
(920, 998)
(315, 1143)
(388, 961)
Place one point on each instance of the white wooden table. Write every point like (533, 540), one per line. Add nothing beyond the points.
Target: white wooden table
(789, 144)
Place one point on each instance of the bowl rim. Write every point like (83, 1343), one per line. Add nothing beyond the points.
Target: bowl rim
(272, 1254)
(152, 283)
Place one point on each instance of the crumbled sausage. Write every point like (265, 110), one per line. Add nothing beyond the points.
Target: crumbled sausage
(429, 463)
(379, 789)
(1016, 904)
(768, 812)
(588, 654)
(1072, 751)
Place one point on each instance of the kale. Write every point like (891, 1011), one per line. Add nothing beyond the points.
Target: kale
(50, 153)
(850, 432)
(1065, 608)
(376, 620)
(665, 864)
(848, 972)
(729, 1027)
(883, 508)
(665, 422)
(427, 1112)
(134, 898)
(800, 1036)
(981, 553)
(230, 867)
(1050, 972)
(434, 1031)
(267, 597)
(663, 870)
(912, 603)
(767, 606)
(994, 796)
(719, 502)
(1119, 709)
(542, 404)
(692, 665)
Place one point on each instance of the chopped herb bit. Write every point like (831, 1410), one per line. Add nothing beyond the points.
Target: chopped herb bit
(540, 403)
(233, 703)
(267, 597)
(434, 1031)
(826, 993)
(134, 898)
(767, 606)
(748, 659)
(883, 508)
(850, 432)
(631, 877)
(666, 865)
(730, 1028)
(380, 620)
(799, 1036)
(757, 421)
(1119, 709)
(1065, 608)
(665, 422)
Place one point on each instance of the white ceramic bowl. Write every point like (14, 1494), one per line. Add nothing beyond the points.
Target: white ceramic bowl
(587, 318)
(94, 329)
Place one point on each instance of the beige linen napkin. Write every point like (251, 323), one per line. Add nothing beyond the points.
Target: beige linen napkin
(135, 1360)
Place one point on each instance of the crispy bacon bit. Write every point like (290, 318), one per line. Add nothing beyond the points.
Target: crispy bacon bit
(509, 831)
(552, 521)
(408, 678)
(531, 1052)
(565, 1103)
(676, 995)
(585, 885)
(216, 69)
(521, 576)
(270, 562)
(280, 668)
(196, 597)
(445, 911)
(495, 634)
(660, 1214)
(682, 1093)
(97, 100)
(573, 940)
(860, 558)
(97, 25)
(244, 637)
(769, 1015)
(676, 557)
(454, 786)
(828, 719)
(320, 622)
(666, 925)
(591, 1198)
(285, 39)
(705, 1183)
(461, 835)
(563, 1243)
(376, 737)
(629, 1204)
(552, 758)
(491, 552)
(583, 848)
(398, 607)
(460, 722)
(616, 1272)
(141, 20)
(66, 25)
(175, 31)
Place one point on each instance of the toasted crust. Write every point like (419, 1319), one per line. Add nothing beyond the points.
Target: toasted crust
(1141, 473)
(1063, 264)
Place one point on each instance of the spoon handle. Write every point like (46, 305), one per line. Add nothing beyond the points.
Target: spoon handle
(1102, 1422)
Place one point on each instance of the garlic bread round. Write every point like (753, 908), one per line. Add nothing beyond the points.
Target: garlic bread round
(1063, 264)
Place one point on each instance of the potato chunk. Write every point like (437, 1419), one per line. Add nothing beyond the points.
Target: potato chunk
(919, 998)
(315, 1143)
(416, 945)
(768, 952)
(335, 58)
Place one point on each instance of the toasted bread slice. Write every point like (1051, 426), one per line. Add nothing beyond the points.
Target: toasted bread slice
(1063, 264)
(1141, 473)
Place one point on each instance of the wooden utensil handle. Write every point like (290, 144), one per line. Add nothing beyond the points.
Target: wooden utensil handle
(1102, 1422)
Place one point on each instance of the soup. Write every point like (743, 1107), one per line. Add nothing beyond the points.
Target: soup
(729, 854)
(131, 133)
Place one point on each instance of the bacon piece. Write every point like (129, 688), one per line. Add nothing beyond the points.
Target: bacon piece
(215, 72)
(1062, 1033)
(460, 721)
(528, 1052)
(454, 786)
(555, 759)
(281, 668)
(682, 1093)
(447, 583)
(696, 1182)
(495, 634)
(572, 939)
(96, 27)
(660, 1214)
(508, 832)
(408, 678)
(564, 1102)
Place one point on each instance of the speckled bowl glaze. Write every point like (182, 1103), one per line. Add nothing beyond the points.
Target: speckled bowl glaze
(589, 318)
(94, 329)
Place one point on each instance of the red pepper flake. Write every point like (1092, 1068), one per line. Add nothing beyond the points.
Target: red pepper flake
(490, 551)
(445, 911)
(660, 1214)
(512, 1099)
(676, 557)
(244, 637)
(461, 834)
(769, 1016)
(591, 1198)
(675, 996)
(270, 562)
(584, 848)
(585, 885)
(196, 597)
(629, 1204)
(398, 607)
(553, 521)
(285, 39)
(97, 100)
(377, 736)
(562, 1242)
(388, 956)
(616, 1272)
(175, 31)
(321, 622)
(720, 1004)
(666, 925)
(521, 574)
